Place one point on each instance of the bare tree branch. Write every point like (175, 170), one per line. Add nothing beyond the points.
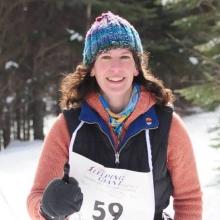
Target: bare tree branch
(44, 50)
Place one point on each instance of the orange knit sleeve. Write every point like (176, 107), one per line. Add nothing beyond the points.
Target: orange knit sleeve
(51, 163)
(181, 164)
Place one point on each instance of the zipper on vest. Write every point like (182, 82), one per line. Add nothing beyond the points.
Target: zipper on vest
(115, 152)
(123, 146)
(117, 161)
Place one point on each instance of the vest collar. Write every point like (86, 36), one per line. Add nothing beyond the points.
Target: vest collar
(148, 120)
(90, 116)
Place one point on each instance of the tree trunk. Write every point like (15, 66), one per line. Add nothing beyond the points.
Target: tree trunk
(18, 125)
(38, 110)
(1, 140)
(88, 13)
(26, 124)
(6, 129)
(28, 128)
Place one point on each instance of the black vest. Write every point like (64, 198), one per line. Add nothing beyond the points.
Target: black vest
(92, 143)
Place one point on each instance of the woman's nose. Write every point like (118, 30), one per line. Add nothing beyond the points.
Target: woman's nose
(115, 64)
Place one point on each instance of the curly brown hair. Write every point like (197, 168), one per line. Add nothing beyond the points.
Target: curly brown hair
(77, 85)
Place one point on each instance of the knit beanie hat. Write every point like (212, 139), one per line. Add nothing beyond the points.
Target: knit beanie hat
(107, 32)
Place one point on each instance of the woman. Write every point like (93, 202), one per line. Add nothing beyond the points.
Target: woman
(128, 151)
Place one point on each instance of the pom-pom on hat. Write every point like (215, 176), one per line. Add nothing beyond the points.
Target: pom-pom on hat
(107, 32)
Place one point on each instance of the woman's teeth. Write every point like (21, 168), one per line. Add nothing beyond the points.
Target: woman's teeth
(115, 79)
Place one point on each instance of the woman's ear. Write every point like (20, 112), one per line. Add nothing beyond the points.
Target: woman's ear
(136, 73)
(92, 72)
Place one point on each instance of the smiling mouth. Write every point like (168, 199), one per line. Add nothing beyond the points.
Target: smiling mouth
(115, 79)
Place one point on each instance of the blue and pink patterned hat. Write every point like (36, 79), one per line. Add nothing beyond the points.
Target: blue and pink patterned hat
(110, 31)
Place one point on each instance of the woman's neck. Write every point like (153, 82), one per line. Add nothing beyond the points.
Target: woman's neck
(118, 103)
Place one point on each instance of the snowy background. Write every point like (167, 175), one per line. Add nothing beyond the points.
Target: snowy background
(18, 164)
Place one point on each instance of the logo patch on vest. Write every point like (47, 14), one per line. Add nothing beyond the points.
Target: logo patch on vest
(149, 120)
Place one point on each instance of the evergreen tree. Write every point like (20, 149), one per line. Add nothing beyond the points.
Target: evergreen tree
(46, 39)
(199, 37)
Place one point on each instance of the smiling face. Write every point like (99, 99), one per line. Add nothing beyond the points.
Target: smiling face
(114, 71)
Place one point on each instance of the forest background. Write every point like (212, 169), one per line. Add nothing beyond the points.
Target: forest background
(41, 40)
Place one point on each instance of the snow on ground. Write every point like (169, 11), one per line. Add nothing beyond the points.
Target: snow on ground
(19, 161)
(17, 167)
(208, 159)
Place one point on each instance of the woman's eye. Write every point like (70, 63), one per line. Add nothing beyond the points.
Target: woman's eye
(105, 57)
(125, 57)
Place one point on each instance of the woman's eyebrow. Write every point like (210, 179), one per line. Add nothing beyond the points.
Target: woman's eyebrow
(126, 52)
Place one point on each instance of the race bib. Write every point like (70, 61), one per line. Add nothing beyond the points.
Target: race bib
(111, 194)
